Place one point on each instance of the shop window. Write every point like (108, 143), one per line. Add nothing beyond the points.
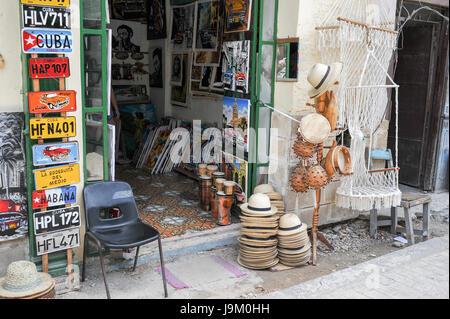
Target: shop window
(287, 59)
(92, 14)
(93, 70)
(94, 146)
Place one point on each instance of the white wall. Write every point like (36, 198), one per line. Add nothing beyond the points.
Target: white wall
(10, 49)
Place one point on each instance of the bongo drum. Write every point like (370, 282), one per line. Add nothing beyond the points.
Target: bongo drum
(205, 189)
(202, 169)
(217, 175)
(229, 187)
(314, 128)
(210, 169)
(224, 203)
(220, 184)
(213, 202)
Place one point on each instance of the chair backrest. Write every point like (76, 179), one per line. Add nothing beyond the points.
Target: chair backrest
(104, 195)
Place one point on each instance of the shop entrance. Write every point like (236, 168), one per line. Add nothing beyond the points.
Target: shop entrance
(184, 66)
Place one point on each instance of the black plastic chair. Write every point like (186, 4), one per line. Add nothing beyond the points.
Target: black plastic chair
(126, 231)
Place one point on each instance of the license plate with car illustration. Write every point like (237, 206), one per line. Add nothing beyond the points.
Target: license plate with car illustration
(55, 153)
(52, 127)
(56, 220)
(52, 242)
(57, 176)
(45, 17)
(54, 197)
(48, 68)
(52, 102)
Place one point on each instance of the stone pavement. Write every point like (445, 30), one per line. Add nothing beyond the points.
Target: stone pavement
(416, 272)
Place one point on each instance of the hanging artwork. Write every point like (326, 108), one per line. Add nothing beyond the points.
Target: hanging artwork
(207, 31)
(124, 39)
(132, 10)
(236, 170)
(207, 58)
(131, 93)
(236, 66)
(179, 93)
(13, 189)
(206, 79)
(156, 20)
(182, 27)
(177, 69)
(156, 66)
(217, 83)
(237, 15)
(236, 115)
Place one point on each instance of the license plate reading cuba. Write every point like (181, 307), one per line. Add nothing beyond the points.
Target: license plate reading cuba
(52, 242)
(56, 220)
(45, 17)
(52, 127)
(36, 40)
(53, 3)
(49, 68)
(57, 176)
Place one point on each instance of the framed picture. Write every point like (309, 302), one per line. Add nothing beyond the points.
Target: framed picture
(131, 10)
(176, 74)
(207, 76)
(207, 30)
(126, 94)
(156, 20)
(236, 66)
(236, 115)
(156, 67)
(179, 93)
(182, 35)
(237, 15)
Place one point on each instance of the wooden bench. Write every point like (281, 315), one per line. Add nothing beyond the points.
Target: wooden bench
(408, 201)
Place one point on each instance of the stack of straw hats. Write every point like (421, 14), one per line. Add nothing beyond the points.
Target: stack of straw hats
(258, 243)
(294, 246)
(276, 199)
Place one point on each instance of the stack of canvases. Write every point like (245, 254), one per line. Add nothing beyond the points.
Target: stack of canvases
(258, 243)
(154, 153)
(294, 247)
(276, 199)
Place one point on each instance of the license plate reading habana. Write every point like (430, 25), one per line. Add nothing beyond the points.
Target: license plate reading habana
(53, 3)
(49, 243)
(52, 127)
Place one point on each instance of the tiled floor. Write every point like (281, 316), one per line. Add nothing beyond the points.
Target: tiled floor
(169, 202)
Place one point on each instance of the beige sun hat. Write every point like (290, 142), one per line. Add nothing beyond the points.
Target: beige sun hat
(322, 77)
(22, 280)
(263, 189)
(290, 224)
(258, 206)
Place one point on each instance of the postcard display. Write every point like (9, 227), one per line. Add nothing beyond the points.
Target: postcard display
(206, 60)
(47, 30)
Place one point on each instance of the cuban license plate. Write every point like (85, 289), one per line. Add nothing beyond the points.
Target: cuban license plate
(52, 242)
(45, 17)
(49, 68)
(57, 176)
(55, 153)
(52, 102)
(52, 127)
(46, 40)
(53, 3)
(56, 220)
(54, 197)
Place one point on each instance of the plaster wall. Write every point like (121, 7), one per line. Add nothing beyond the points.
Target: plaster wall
(10, 48)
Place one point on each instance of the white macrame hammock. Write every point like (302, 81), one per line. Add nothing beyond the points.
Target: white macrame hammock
(358, 33)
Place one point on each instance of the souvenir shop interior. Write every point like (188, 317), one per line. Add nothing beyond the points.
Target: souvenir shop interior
(172, 65)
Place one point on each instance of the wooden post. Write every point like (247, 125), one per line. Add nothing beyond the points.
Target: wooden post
(315, 224)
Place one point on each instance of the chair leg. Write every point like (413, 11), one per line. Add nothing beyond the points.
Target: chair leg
(373, 223)
(426, 222)
(394, 220)
(83, 271)
(163, 271)
(136, 258)
(103, 271)
(409, 227)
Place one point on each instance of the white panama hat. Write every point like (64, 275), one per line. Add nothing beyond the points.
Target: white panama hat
(322, 77)
(258, 205)
(290, 224)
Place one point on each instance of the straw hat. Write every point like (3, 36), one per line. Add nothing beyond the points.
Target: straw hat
(290, 224)
(23, 280)
(263, 189)
(252, 241)
(322, 77)
(258, 206)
